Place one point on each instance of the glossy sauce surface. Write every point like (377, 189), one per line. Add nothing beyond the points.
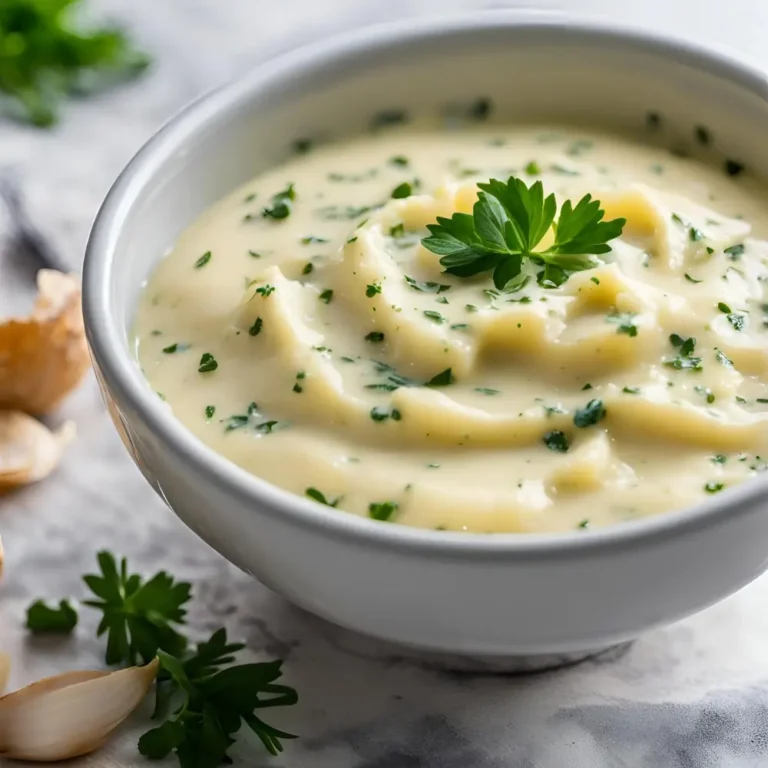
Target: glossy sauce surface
(327, 350)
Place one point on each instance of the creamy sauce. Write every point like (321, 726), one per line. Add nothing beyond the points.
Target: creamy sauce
(300, 347)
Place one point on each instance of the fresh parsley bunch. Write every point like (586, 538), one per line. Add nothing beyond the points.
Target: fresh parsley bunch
(212, 703)
(506, 226)
(43, 58)
(202, 696)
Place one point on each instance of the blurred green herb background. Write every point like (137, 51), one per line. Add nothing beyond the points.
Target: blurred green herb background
(46, 56)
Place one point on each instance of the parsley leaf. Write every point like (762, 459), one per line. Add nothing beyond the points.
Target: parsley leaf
(321, 498)
(210, 704)
(557, 441)
(44, 58)
(282, 204)
(382, 510)
(42, 618)
(442, 379)
(685, 360)
(624, 321)
(139, 616)
(426, 287)
(208, 363)
(203, 260)
(508, 222)
(590, 414)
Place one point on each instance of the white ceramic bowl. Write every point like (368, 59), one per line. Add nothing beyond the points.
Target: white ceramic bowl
(479, 595)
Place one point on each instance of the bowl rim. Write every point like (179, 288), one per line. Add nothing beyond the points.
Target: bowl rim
(124, 378)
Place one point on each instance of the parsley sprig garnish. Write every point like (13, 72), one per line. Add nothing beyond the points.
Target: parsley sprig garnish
(44, 57)
(506, 227)
(211, 701)
(202, 697)
(139, 616)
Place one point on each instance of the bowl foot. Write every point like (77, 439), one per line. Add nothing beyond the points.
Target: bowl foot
(364, 646)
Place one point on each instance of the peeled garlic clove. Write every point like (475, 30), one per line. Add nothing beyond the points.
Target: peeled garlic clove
(44, 356)
(29, 451)
(71, 714)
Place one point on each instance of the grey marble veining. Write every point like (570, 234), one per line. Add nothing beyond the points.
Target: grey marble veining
(694, 695)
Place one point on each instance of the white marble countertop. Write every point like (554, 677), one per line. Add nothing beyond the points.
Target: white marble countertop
(694, 695)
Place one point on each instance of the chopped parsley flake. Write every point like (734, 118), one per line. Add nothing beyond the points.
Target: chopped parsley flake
(203, 260)
(169, 350)
(267, 427)
(397, 231)
(685, 360)
(733, 167)
(533, 168)
(310, 239)
(557, 441)
(375, 337)
(692, 279)
(403, 190)
(723, 307)
(442, 379)
(735, 251)
(207, 363)
(336, 212)
(487, 391)
(713, 487)
(737, 321)
(718, 459)
(694, 234)
(380, 414)
(434, 316)
(624, 322)
(722, 358)
(265, 291)
(427, 287)
(631, 390)
(282, 202)
(308, 268)
(372, 289)
(210, 410)
(706, 392)
(255, 329)
(326, 295)
(382, 510)
(321, 498)
(590, 414)
(399, 160)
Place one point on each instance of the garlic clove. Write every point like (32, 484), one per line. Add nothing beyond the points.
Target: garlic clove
(71, 714)
(29, 451)
(44, 356)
